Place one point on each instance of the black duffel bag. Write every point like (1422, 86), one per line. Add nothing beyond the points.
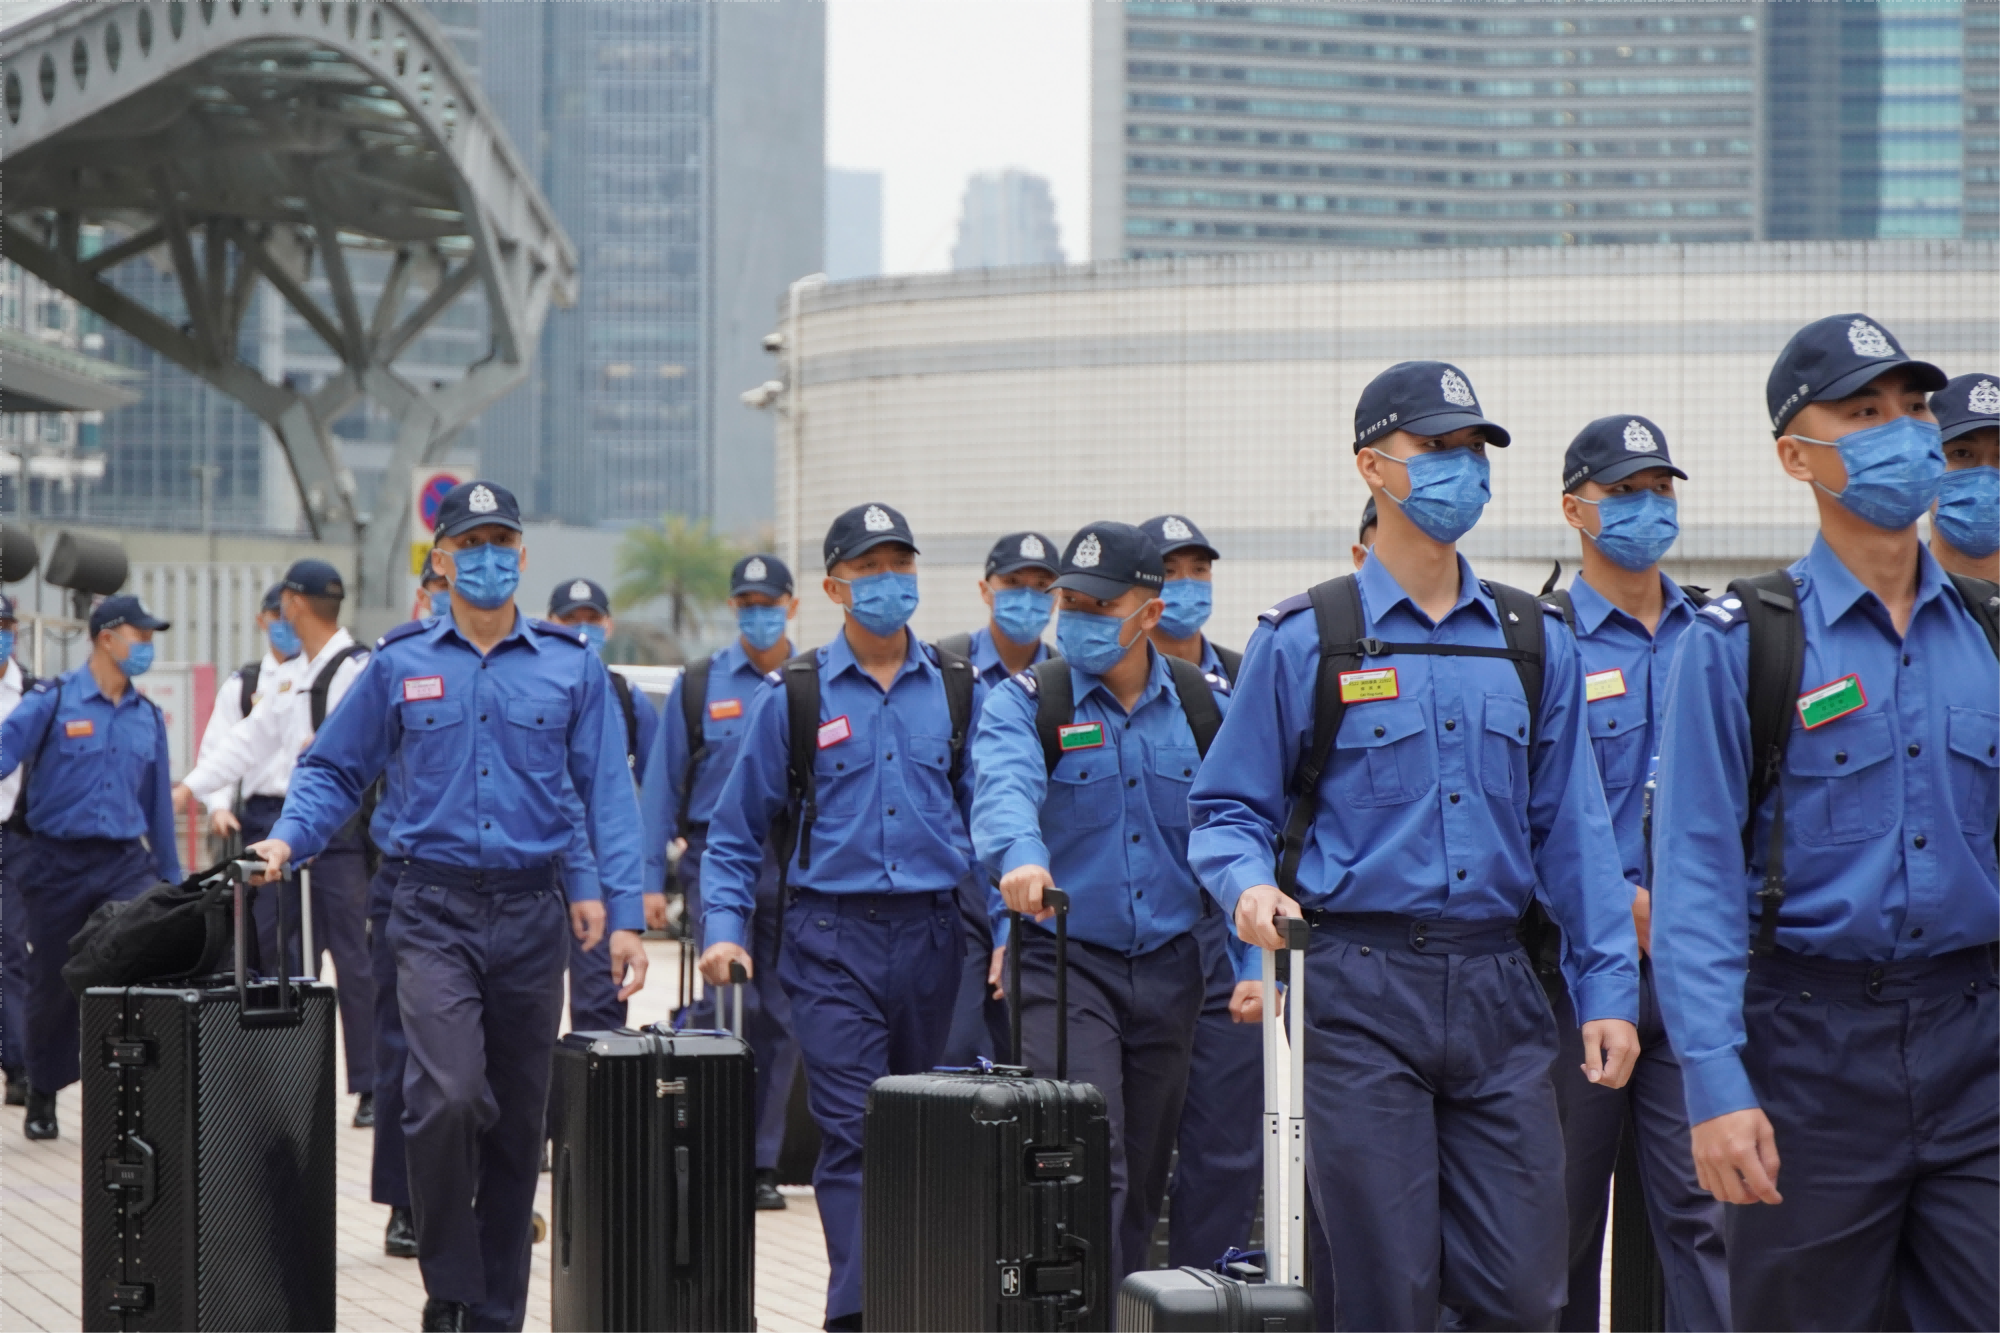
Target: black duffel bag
(168, 933)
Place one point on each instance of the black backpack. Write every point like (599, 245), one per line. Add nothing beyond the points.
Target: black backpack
(623, 689)
(694, 705)
(1777, 660)
(168, 933)
(246, 686)
(1055, 704)
(356, 827)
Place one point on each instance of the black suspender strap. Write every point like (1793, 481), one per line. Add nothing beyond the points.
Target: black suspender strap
(1777, 659)
(694, 704)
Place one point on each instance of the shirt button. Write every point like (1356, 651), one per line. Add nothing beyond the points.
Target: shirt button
(1085, 773)
(1917, 841)
(1449, 726)
(482, 717)
(1461, 874)
(489, 823)
(1906, 659)
(1378, 731)
(1140, 894)
(1840, 756)
(1131, 782)
(1454, 798)
(1916, 750)
(1611, 724)
(1135, 837)
(1917, 934)
(892, 865)
(892, 809)
(482, 773)
(890, 755)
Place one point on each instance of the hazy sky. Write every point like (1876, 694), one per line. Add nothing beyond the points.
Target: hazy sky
(930, 91)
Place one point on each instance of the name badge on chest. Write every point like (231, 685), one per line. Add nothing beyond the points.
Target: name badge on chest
(418, 688)
(1831, 702)
(724, 709)
(1603, 685)
(834, 732)
(1080, 736)
(1360, 687)
(82, 726)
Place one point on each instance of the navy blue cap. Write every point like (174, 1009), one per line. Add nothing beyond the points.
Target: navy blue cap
(1105, 559)
(471, 504)
(274, 598)
(6, 607)
(761, 573)
(1428, 398)
(124, 609)
(863, 528)
(314, 578)
(1171, 532)
(1967, 403)
(1021, 550)
(574, 594)
(431, 568)
(1369, 519)
(1613, 448)
(1832, 358)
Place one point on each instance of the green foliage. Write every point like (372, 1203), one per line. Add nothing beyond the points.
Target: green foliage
(683, 561)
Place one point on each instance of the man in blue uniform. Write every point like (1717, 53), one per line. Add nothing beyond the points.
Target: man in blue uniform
(1965, 525)
(1628, 618)
(1106, 821)
(14, 681)
(1364, 537)
(100, 808)
(704, 724)
(1189, 596)
(1824, 949)
(1019, 570)
(497, 725)
(871, 939)
(1444, 799)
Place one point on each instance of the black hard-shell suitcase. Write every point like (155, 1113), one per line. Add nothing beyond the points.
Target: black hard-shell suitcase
(986, 1194)
(1194, 1300)
(208, 1151)
(655, 1181)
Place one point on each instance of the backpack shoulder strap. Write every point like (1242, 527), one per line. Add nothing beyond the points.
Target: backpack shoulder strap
(323, 683)
(1559, 599)
(801, 681)
(246, 686)
(958, 676)
(1336, 606)
(1232, 661)
(694, 706)
(1055, 706)
(1204, 715)
(1777, 660)
(623, 689)
(1982, 598)
(958, 645)
(1521, 623)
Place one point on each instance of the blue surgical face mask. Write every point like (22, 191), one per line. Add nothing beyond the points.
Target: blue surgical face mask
(441, 602)
(1448, 491)
(1091, 642)
(284, 639)
(1968, 512)
(593, 637)
(883, 603)
(1894, 470)
(1022, 613)
(138, 660)
(761, 626)
(486, 576)
(6, 647)
(1635, 530)
(1189, 602)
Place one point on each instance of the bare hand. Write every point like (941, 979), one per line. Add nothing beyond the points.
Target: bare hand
(1642, 918)
(222, 822)
(586, 922)
(1610, 1049)
(656, 911)
(1246, 1002)
(628, 955)
(1736, 1157)
(1021, 889)
(715, 961)
(183, 798)
(1257, 909)
(274, 852)
(996, 973)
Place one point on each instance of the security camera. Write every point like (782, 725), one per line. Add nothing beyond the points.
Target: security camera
(774, 342)
(764, 395)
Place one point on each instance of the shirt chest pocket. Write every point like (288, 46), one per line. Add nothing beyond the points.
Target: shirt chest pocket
(1617, 735)
(434, 735)
(1173, 774)
(1385, 756)
(80, 738)
(1975, 780)
(843, 777)
(928, 778)
(1084, 791)
(1503, 744)
(538, 731)
(1844, 786)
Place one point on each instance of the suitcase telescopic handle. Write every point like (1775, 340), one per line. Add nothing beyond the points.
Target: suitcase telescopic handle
(1016, 945)
(738, 978)
(287, 1012)
(1285, 1116)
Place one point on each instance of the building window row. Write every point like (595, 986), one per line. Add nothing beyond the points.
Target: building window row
(1289, 77)
(1154, 39)
(1376, 143)
(1436, 115)
(1315, 16)
(1287, 202)
(1264, 233)
(1485, 180)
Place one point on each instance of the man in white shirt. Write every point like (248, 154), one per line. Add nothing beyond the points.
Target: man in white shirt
(13, 914)
(264, 747)
(233, 702)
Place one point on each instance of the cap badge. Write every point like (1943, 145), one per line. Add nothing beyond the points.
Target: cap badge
(1456, 391)
(1176, 530)
(1088, 552)
(1639, 440)
(755, 571)
(1032, 548)
(579, 591)
(481, 501)
(1867, 340)
(1985, 398)
(877, 519)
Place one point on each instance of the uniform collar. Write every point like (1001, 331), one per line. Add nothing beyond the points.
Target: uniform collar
(840, 656)
(1380, 592)
(444, 627)
(91, 691)
(733, 658)
(341, 639)
(1593, 608)
(1158, 677)
(1837, 591)
(986, 655)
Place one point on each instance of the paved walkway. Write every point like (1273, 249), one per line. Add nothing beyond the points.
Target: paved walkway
(40, 1217)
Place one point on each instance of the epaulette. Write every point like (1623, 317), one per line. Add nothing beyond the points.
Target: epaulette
(402, 631)
(1028, 682)
(1726, 611)
(774, 678)
(43, 686)
(569, 633)
(1300, 602)
(1216, 683)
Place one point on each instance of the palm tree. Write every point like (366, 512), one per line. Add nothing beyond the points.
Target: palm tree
(680, 560)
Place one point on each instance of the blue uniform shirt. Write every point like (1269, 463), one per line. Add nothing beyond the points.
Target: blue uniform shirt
(1430, 805)
(655, 831)
(1111, 823)
(889, 818)
(986, 658)
(102, 772)
(492, 754)
(1889, 810)
(733, 681)
(1211, 662)
(1625, 691)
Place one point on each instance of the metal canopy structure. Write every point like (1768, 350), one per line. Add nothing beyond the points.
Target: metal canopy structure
(244, 143)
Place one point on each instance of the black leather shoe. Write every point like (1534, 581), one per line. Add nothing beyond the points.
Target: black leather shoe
(400, 1240)
(364, 1111)
(41, 1121)
(17, 1088)
(845, 1323)
(768, 1198)
(444, 1316)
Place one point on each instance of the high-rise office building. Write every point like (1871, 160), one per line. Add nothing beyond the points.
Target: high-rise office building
(853, 223)
(1008, 218)
(683, 148)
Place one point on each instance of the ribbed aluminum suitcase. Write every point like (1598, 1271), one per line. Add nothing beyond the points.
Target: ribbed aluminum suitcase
(986, 1194)
(655, 1181)
(208, 1153)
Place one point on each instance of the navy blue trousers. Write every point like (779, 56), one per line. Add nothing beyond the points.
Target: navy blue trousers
(1882, 1084)
(1131, 1035)
(1221, 1139)
(389, 1177)
(13, 958)
(871, 978)
(62, 882)
(1686, 1219)
(767, 1010)
(594, 1005)
(479, 966)
(979, 1023)
(1435, 1144)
